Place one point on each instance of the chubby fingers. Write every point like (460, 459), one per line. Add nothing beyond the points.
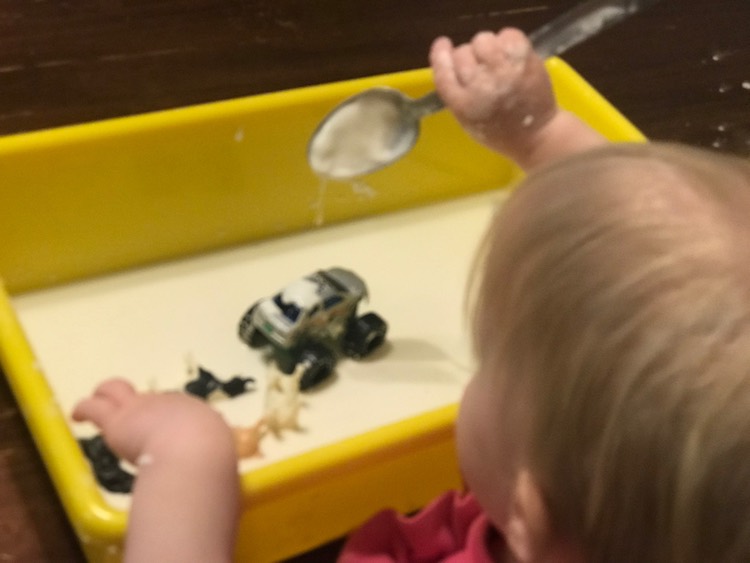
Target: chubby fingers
(444, 59)
(477, 64)
(484, 47)
(107, 399)
(441, 60)
(452, 67)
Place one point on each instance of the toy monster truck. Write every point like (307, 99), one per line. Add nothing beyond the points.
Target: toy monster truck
(313, 321)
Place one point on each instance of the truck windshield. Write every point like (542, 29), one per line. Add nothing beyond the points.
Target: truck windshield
(290, 310)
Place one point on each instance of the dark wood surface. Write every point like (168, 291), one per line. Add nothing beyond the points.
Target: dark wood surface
(680, 72)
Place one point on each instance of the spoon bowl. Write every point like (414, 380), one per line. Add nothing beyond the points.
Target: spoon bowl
(367, 132)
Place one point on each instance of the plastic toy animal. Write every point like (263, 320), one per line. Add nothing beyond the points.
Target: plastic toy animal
(283, 401)
(106, 465)
(247, 439)
(205, 383)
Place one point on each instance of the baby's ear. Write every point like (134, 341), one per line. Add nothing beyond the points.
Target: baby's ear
(527, 529)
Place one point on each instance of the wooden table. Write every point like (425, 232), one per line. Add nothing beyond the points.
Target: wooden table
(680, 73)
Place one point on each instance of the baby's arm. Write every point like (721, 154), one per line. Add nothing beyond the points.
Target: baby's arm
(500, 92)
(186, 495)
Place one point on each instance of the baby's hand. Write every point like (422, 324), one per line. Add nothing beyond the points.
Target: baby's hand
(497, 87)
(135, 423)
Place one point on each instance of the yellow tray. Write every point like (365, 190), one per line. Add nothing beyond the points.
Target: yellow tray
(100, 198)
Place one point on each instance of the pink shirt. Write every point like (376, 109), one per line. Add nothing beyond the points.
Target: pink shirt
(451, 529)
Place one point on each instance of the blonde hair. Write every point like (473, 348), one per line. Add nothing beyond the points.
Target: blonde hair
(614, 294)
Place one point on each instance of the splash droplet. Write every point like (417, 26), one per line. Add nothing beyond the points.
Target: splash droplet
(318, 205)
(363, 190)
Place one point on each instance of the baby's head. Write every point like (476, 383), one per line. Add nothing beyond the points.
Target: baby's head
(610, 416)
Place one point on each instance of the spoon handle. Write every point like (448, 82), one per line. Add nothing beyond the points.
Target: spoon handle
(426, 105)
(582, 22)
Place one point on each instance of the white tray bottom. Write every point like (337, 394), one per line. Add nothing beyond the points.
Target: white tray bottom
(144, 324)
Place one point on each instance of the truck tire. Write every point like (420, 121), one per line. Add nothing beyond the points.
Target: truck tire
(248, 333)
(364, 335)
(319, 362)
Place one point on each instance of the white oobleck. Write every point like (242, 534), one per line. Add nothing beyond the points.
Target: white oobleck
(358, 137)
(145, 324)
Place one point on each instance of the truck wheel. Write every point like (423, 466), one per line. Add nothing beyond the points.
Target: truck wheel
(248, 333)
(319, 363)
(364, 335)
(286, 360)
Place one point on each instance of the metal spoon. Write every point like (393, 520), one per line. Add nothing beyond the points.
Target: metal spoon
(378, 126)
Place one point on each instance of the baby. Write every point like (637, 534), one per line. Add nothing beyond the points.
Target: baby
(609, 417)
